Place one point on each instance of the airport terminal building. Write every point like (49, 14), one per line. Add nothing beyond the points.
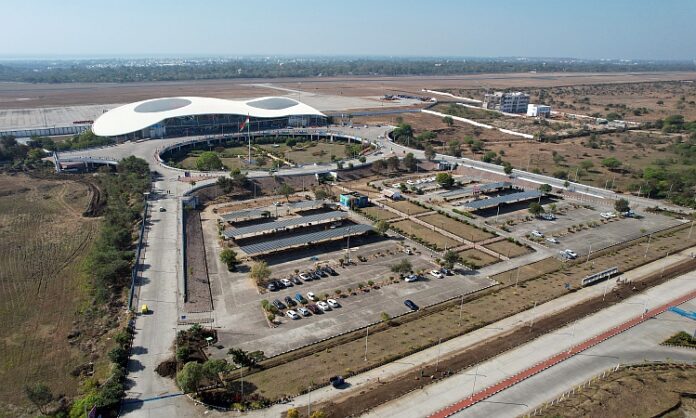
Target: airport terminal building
(192, 116)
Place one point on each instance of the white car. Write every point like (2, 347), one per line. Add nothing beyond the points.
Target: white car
(304, 277)
(323, 306)
(312, 296)
(333, 303)
(286, 282)
(304, 311)
(569, 254)
(607, 215)
(436, 274)
(411, 278)
(396, 185)
(292, 314)
(537, 234)
(552, 240)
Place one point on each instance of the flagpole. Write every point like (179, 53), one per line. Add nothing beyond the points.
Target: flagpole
(249, 136)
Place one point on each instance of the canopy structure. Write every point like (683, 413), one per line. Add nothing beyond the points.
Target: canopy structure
(193, 112)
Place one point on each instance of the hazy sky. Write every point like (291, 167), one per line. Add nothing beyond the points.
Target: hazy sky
(660, 29)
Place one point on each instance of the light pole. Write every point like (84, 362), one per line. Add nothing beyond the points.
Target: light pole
(439, 348)
(461, 309)
(648, 246)
(531, 322)
(367, 333)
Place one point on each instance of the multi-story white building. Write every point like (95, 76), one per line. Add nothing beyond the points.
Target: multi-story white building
(515, 102)
(537, 110)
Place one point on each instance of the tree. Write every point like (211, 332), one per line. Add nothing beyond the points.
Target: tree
(291, 142)
(535, 209)
(241, 357)
(39, 394)
(448, 120)
(586, 165)
(445, 180)
(393, 163)
(622, 205)
(260, 272)
(450, 259)
(410, 162)
(402, 267)
(507, 168)
(226, 184)
(189, 377)
(292, 413)
(429, 152)
(208, 161)
(286, 190)
(489, 156)
(454, 148)
(385, 317)
(212, 368)
(318, 414)
(229, 257)
(545, 188)
(381, 226)
(379, 166)
(261, 160)
(611, 163)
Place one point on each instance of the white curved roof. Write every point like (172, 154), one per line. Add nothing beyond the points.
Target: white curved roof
(140, 115)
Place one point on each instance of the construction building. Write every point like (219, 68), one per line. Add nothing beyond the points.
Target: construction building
(512, 102)
(538, 111)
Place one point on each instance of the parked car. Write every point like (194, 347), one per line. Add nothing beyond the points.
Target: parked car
(279, 284)
(290, 301)
(296, 280)
(272, 287)
(286, 282)
(446, 271)
(300, 298)
(548, 217)
(436, 274)
(607, 215)
(306, 277)
(337, 381)
(408, 251)
(333, 303)
(162, 209)
(569, 254)
(314, 275)
(278, 304)
(314, 308)
(552, 240)
(537, 234)
(323, 306)
(304, 311)
(410, 305)
(411, 278)
(321, 273)
(292, 314)
(330, 270)
(312, 296)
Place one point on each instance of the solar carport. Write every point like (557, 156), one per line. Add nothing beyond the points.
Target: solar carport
(245, 215)
(303, 240)
(503, 200)
(284, 225)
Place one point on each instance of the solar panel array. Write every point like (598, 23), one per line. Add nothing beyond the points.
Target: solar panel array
(304, 239)
(482, 188)
(285, 223)
(305, 204)
(509, 198)
(245, 214)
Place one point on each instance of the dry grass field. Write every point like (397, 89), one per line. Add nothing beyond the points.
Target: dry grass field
(43, 239)
(639, 391)
(461, 229)
(509, 249)
(379, 213)
(477, 257)
(635, 150)
(426, 234)
(404, 206)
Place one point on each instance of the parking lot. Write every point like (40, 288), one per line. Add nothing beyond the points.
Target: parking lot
(593, 238)
(241, 321)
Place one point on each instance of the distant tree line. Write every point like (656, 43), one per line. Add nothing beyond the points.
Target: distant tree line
(110, 70)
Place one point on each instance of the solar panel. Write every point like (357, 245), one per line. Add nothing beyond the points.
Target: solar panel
(480, 187)
(306, 204)
(285, 224)
(271, 246)
(509, 198)
(245, 214)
